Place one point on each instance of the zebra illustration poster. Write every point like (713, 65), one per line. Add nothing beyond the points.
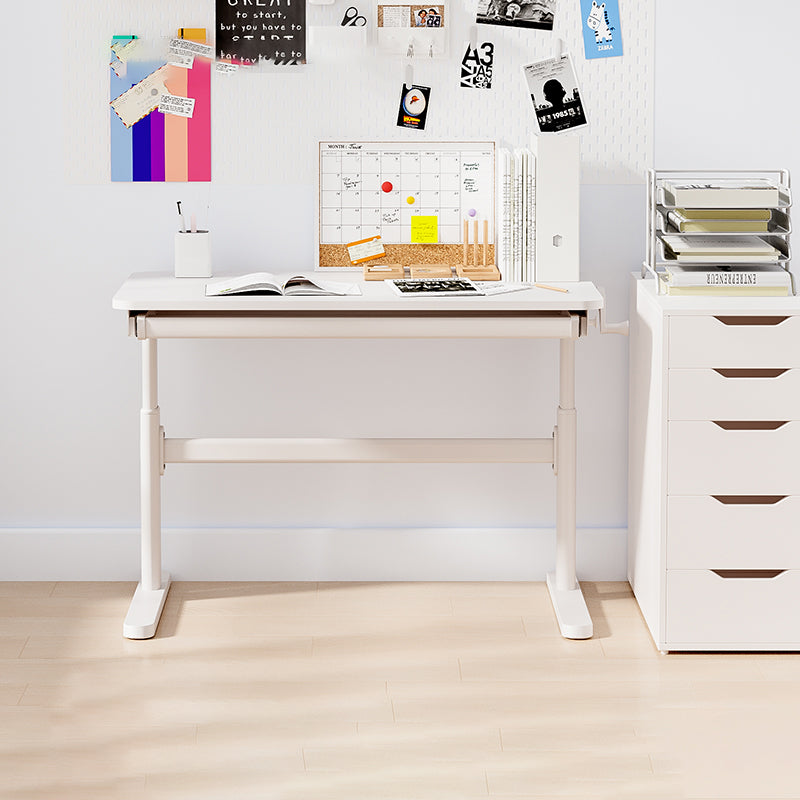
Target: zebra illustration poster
(602, 36)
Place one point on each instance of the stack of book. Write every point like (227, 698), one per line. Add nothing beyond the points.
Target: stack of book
(745, 193)
(719, 220)
(719, 250)
(709, 242)
(516, 214)
(741, 265)
(767, 280)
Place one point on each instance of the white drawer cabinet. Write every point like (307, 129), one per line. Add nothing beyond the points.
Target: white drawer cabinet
(730, 394)
(714, 466)
(734, 609)
(703, 457)
(727, 531)
(730, 340)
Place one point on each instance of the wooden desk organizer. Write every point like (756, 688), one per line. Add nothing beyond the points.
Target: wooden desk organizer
(382, 272)
(431, 271)
(479, 269)
(479, 273)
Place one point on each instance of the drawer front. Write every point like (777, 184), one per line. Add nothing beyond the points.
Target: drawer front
(708, 341)
(731, 394)
(703, 607)
(733, 532)
(704, 458)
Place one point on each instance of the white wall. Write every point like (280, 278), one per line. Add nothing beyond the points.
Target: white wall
(69, 401)
(726, 85)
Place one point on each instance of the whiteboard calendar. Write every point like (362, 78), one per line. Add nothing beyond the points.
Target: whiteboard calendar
(375, 189)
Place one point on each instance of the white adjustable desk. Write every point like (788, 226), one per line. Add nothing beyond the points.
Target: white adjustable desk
(160, 306)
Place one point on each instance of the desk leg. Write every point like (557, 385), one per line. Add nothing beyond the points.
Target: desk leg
(565, 592)
(151, 593)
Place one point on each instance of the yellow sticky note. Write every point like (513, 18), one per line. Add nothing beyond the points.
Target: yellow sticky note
(424, 230)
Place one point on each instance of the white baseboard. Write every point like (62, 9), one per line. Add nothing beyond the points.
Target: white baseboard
(309, 554)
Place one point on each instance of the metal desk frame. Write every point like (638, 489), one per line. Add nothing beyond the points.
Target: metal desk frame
(533, 314)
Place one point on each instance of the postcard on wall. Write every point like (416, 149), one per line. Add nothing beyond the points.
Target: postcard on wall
(517, 13)
(602, 35)
(427, 16)
(261, 34)
(555, 94)
(476, 66)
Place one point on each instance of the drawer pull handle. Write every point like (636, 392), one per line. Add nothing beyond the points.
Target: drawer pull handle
(749, 499)
(731, 320)
(750, 373)
(750, 425)
(748, 573)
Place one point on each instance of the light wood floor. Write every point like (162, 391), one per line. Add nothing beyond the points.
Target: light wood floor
(406, 691)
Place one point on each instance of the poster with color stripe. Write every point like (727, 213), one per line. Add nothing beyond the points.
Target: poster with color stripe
(157, 133)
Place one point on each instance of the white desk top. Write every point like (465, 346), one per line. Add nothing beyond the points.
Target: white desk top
(160, 291)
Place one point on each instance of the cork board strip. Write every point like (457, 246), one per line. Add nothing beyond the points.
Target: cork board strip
(336, 256)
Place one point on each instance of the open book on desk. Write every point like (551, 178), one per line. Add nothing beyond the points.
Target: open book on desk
(287, 283)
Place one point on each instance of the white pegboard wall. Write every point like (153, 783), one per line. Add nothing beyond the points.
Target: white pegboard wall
(266, 125)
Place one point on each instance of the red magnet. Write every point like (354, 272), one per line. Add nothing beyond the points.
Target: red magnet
(387, 186)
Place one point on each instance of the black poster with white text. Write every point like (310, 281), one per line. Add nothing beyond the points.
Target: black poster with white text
(253, 32)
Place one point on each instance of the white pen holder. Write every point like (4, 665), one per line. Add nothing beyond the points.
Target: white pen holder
(193, 254)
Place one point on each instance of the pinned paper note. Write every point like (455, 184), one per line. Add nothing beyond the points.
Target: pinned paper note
(365, 250)
(173, 104)
(424, 230)
(187, 47)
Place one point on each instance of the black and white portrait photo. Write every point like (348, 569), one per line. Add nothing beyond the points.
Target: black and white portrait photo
(517, 13)
(555, 94)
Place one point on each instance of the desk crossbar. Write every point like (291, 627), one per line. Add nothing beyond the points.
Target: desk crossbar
(361, 451)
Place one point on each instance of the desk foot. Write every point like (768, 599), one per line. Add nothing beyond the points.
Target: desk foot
(145, 611)
(571, 612)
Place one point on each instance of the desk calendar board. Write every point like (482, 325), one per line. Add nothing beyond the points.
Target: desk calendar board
(375, 188)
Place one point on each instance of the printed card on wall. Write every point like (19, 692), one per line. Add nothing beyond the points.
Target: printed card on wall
(271, 32)
(517, 13)
(413, 107)
(555, 95)
(476, 66)
(602, 36)
(161, 112)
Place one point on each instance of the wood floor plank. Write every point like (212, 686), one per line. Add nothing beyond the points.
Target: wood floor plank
(392, 690)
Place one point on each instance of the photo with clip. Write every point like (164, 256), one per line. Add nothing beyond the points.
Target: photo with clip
(427, 16)
(555, 94)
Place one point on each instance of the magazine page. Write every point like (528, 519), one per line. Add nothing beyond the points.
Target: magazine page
(302, 283)
(264, 282)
